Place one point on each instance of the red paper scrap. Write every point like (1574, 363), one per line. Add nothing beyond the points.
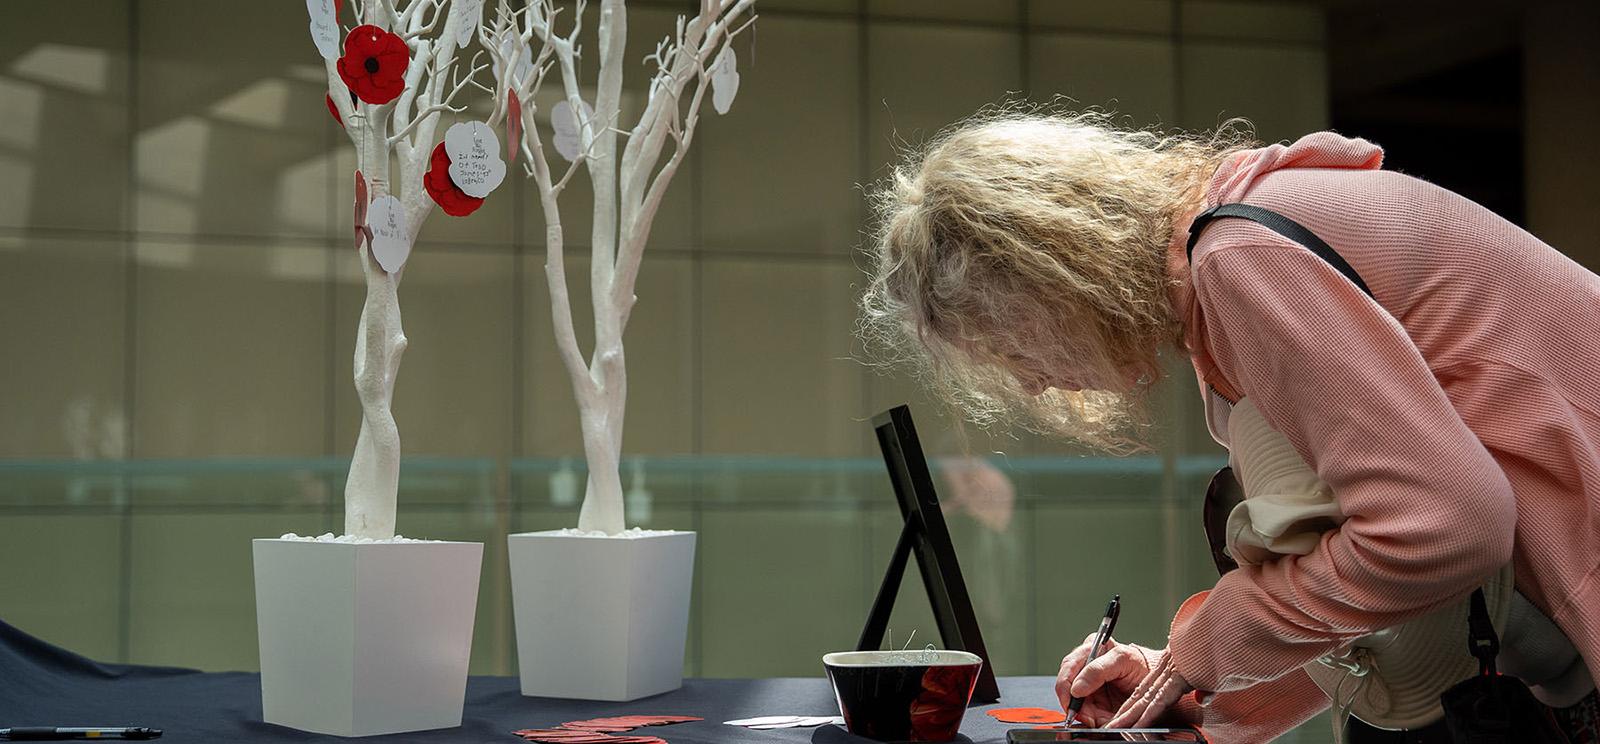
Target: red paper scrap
(603, 730)
(1028, 715)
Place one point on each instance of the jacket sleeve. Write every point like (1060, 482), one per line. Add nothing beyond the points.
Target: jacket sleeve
(1429, 512)
(1256, 714)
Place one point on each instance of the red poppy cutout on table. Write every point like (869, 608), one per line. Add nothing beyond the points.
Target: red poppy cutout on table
(1028, 715)
(374, 64)
(444, 191)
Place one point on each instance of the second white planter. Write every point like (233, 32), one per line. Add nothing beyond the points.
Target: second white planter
(601, 618)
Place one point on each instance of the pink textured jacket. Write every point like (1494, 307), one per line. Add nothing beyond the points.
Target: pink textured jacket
(1457, 419)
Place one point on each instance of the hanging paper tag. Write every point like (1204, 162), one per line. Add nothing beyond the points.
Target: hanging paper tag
(568, 137)
(724, 80)
(324, 27)
(524, 69)
(468, 13)
(513, 126)
(391, 245)
(475, 164)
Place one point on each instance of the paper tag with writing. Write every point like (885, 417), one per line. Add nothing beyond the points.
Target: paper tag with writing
(391, 244)
(475, 164)
(324, 27)
(568, 136)
(724, 80)
(468, 13)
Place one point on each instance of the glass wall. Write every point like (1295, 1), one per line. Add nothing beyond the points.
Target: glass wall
(178, 305)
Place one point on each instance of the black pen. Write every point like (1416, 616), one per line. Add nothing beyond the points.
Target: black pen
(1107, 624)
(52, 733)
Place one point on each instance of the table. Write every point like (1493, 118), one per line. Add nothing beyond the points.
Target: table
(42, 685)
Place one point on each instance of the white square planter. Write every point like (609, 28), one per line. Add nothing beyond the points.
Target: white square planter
(601, 618)
(365, 639)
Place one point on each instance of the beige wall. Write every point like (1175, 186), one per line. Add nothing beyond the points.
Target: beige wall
(176, 284)
(174, 263)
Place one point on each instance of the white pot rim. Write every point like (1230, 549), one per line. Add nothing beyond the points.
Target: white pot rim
(419, 543)
(907, 658)
(620, 538)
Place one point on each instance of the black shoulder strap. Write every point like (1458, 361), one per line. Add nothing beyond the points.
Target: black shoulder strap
(1281, 225)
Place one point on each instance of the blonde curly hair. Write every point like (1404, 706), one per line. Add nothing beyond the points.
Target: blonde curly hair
(1025, 250)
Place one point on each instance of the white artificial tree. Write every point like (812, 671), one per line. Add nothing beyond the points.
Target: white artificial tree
(695, 60)
(400, 130)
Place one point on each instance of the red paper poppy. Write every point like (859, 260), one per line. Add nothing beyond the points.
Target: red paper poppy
(332, 109)
(444, 191)
(374, 64)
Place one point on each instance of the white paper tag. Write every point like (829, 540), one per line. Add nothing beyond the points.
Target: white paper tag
(475, 164)
(324, 28)
(822, 721)
(568, 137)
(524, 69)
(468, 13)
(764, 721)
(724, 80)
(390, 243)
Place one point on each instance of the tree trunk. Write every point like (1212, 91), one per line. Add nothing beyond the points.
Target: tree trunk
(600, 410)
(374, 480)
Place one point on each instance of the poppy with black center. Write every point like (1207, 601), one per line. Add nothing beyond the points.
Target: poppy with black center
(374, 64)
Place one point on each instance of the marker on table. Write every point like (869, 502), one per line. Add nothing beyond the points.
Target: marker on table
(1107, 624)
(51, 733)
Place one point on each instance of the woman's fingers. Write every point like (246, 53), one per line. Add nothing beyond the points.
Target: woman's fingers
(1152, 697)
(1118, 663)
(1096, 711)
(1071, 665)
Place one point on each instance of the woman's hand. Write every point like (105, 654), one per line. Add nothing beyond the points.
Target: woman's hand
(1107, 682)
(1160, 689)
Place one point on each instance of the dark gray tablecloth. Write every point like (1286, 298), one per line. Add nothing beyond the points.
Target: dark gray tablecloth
(42, 685)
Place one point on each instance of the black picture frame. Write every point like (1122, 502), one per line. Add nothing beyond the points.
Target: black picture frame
(924, 533)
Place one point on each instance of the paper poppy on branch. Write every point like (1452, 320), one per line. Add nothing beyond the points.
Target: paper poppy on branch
(374, 64)
(445, 192)
(332, 109)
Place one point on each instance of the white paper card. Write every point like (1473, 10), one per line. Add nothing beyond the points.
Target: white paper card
(524, 68)
(468, 13)
(568, 138)
(390, 243)
(324, 28)
(763, 721)
(475, 164)
(724, 80)
(822, 720)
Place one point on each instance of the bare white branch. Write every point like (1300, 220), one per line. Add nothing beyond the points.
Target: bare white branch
(437, 108)
(629, 186)
(390, 18)
(417, 27)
